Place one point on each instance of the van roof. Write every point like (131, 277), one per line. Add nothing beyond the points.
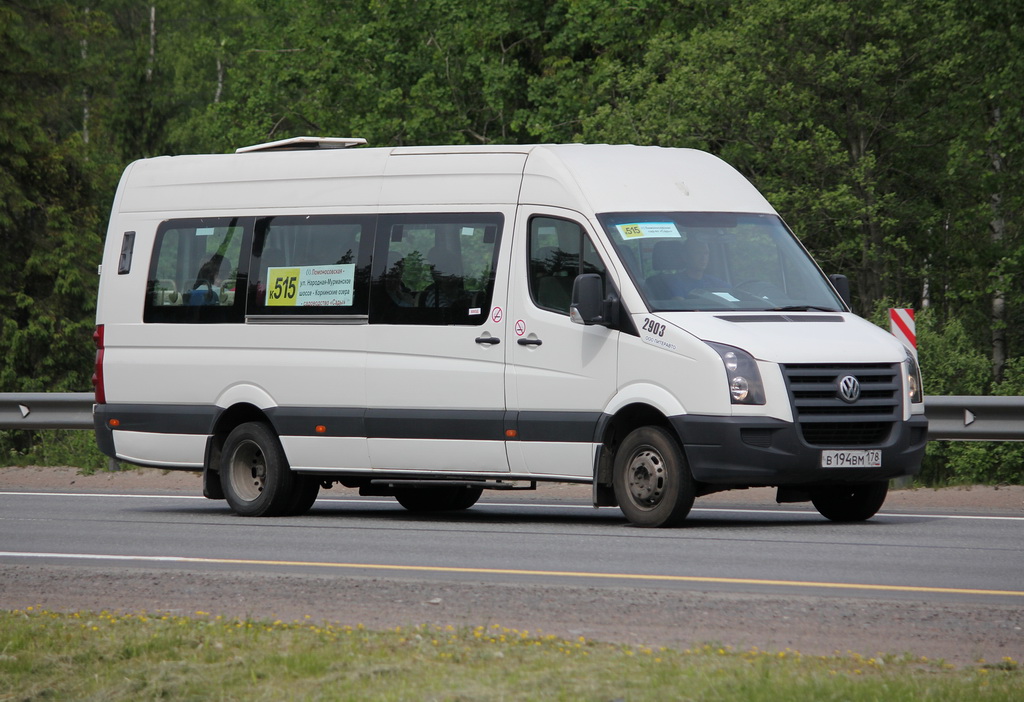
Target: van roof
(315, 172)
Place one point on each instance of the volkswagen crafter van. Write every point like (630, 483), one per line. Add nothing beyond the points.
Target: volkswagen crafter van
(427, 323)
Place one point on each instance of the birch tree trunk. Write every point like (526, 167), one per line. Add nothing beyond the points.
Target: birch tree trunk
(998, 233)
(152, 43)
(85, 88)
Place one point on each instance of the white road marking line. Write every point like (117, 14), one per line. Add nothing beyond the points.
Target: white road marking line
(388, 501)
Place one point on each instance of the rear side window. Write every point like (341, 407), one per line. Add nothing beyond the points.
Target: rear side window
(196, 271)
(311, 266)
(435, 268)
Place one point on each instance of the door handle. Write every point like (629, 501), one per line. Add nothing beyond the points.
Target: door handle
(488, 340)
(529, 342)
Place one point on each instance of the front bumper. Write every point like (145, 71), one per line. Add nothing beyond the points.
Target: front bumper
(754, 451)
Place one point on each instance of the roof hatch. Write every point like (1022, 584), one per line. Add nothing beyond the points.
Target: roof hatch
(303, 143)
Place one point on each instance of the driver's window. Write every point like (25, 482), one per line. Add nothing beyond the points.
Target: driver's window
(556, 246)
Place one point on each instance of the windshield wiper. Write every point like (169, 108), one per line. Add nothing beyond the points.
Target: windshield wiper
(802, 308)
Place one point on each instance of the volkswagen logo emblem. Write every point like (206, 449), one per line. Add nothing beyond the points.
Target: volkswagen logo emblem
(849, 388)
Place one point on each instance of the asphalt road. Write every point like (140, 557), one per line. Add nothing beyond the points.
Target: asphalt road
(962, 566)
(963, 558)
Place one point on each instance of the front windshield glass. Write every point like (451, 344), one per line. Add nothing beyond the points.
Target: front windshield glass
(695, 261)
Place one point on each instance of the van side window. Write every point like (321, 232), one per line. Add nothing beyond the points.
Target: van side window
(555, 261)
(196, 269)
(435, 269)
(311, 266)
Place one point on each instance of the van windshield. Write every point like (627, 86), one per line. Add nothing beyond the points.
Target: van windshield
(695, 261)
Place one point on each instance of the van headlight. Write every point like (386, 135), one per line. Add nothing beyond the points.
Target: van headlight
(915, 392)
(745, 386)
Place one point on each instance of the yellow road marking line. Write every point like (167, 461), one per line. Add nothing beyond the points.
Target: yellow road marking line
(645, 577)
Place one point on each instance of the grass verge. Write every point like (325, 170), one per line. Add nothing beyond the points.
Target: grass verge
(108, 656)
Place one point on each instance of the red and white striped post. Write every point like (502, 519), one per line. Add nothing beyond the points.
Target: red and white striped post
(901, 322)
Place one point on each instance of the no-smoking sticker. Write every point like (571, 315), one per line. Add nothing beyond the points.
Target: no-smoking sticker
(496, 314)
(520, 327)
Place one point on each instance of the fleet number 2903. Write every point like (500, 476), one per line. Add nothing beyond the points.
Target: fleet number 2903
(656, 328)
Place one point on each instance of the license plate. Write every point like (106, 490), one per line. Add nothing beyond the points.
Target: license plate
(869, 458)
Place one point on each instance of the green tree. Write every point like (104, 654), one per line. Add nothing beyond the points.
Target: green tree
(983, 125)
(811, 100)
(48, 216)
(889, 135)
(395, 73)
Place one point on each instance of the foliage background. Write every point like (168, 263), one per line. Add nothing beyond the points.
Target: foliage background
(888, 134)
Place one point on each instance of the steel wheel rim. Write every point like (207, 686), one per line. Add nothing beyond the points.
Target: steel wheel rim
(248, 471)
(646, 475)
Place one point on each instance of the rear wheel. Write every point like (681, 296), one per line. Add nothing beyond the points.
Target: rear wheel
(304, 494)
(438, 499)
(254, 472)
(855, 502)
(652, 481)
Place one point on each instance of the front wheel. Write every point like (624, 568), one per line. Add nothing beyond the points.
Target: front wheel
(254, 472)
(855, 502)
(651, 479)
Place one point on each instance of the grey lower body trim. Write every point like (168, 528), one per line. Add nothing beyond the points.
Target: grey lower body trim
(371, 423)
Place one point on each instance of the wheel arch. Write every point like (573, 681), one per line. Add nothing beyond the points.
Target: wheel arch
(614, 428)
(226, 421)
(650, 478)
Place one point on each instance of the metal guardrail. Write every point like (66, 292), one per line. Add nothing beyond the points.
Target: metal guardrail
(46, 410)
(975, 417)
(950, 417)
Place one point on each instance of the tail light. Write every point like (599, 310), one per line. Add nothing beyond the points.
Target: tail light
(97, 374)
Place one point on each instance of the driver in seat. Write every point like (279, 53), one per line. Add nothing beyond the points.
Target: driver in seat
(689, 260)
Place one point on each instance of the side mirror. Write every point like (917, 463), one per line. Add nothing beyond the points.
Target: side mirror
(842, 285)
(588, 304)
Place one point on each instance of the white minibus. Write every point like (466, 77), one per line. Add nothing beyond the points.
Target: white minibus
(430, 322)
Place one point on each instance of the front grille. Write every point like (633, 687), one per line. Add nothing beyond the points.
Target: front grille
(825, 419)
(846, 434)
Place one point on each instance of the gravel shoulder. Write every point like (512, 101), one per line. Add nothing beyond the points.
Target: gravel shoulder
(958, 633)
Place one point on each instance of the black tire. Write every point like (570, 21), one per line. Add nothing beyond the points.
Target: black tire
(254, 472)
(466, 497)
(304, 494)
(651, 479)
(855, 502)
(438, 499)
